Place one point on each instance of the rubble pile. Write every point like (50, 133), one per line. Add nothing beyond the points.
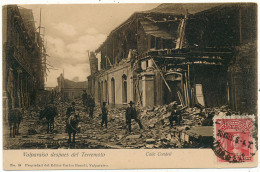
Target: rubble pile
(160, 116)
(156, 133)
(193, 117)
(157, 126)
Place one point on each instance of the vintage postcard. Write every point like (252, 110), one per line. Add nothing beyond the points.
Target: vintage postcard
(129, 86)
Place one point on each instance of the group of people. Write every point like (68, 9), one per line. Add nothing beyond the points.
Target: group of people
(72, 116)
(131, 113)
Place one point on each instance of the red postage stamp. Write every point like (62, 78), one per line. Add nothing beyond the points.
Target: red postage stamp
(234, 141)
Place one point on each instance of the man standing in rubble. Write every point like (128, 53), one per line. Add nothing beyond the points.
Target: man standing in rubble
(104, 115)
(175, 115)
(131, 113)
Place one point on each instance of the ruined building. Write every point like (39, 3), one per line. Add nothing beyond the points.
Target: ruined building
(191, 53)
(22, 58)
(70, 90)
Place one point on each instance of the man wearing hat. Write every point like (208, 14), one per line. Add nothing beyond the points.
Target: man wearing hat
(131, 113)
(104, 115)
(176, 114)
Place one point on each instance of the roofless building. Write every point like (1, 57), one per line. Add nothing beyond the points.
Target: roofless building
(190, 53)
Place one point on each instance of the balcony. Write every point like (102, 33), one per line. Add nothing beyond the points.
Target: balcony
(19, 57)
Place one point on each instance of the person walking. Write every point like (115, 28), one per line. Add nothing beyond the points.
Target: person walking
(104, 115)
(131, 113)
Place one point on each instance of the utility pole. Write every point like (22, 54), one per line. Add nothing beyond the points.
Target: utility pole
(42, 52)
(63, 80)
(40, 21)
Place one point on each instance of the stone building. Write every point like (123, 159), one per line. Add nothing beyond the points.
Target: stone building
(70, 90)
(22, 62)
(190, 53)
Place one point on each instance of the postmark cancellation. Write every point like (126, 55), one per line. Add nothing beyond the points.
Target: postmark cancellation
(234, 139)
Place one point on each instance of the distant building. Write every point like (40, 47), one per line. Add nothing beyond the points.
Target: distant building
(189, 53)
(75, 79)
(70, 90)
(49, 88)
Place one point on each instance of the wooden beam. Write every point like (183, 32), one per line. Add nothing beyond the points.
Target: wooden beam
(162, 75)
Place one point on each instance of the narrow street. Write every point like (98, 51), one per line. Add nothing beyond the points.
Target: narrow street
(156, 133)
(33, 132)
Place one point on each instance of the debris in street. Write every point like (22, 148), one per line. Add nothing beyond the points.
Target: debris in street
(32, 131)
(157, 132)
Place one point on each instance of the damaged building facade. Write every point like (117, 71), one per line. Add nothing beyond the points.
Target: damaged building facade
(190, 53)
(70, 90)
(23, 71)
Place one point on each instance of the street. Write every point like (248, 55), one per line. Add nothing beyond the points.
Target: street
(156, 133)
(33, 133)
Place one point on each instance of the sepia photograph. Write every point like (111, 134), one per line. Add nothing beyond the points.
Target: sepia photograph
(146, 76)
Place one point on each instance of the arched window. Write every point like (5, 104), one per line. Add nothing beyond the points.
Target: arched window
(105, 91)
(113, 91)
(124, 88)
(101, 92)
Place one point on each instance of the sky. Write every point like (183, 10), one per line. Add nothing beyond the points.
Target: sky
(72, 30)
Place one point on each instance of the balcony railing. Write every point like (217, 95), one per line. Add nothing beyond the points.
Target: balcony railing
(18, 55)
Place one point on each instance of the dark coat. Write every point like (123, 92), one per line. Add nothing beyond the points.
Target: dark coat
(69, 110)
(131, 113)
(91, 102)
(85, 99)
(104, 111)
(176, 116)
